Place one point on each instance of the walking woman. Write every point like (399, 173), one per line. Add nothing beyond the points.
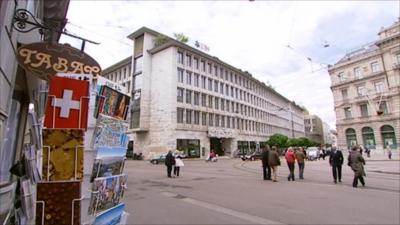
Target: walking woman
(178, 165)
(274, 162)
(357, 162)
(290, 159)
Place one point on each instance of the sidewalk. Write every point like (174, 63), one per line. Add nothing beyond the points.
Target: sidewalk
(379, 156)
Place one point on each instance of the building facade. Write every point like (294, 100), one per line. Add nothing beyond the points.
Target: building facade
(366, 91)
(19, 89)
(314, 129)
(185, 99)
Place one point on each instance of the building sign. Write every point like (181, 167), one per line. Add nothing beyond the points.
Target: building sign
(220, 133)
(45, 60)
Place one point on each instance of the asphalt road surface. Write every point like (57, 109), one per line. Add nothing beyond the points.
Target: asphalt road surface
(233, 192)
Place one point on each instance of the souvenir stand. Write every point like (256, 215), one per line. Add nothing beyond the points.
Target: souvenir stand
(104, 153)
(72, 172)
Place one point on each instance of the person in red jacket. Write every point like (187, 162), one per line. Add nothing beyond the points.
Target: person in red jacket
(290, 159)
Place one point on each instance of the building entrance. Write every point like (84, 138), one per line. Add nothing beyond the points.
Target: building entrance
(216, 145)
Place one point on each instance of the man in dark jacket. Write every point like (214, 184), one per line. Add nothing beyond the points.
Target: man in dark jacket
(265, 163)
(169, 162)
(357, 162)
(336, 161)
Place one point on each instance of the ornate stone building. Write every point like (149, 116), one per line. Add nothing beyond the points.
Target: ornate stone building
(366, 91)
(186, 99)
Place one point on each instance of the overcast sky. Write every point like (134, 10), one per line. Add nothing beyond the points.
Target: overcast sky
(280, 42)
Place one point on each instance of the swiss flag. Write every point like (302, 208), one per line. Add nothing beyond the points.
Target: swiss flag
(67, 103)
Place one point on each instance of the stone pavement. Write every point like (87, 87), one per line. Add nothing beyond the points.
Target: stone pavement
(232, 192)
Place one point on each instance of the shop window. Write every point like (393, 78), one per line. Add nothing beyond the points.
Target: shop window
(389, 137)
(190, 147)
(351, 137)
(368, 137)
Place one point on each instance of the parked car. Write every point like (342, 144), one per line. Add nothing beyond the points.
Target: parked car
(158, 158)
(251, 156)
(312, 153)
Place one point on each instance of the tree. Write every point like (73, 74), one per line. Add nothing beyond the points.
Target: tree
(160, 39)
(181, 37)
(278, 140)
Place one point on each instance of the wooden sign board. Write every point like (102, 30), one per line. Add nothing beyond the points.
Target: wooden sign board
(47, 59)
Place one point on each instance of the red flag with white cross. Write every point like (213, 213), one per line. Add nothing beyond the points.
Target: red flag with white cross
(67, 103)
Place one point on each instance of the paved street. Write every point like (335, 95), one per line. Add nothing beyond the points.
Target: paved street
(233, 192)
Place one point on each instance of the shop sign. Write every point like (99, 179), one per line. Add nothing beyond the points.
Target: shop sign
(47, 59)
(220, 133)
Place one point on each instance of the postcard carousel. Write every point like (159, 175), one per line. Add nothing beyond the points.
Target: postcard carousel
(77, 151)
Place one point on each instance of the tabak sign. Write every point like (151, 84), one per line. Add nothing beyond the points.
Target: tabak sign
(46, 59)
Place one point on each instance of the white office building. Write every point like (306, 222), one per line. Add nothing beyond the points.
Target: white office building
(185, 99)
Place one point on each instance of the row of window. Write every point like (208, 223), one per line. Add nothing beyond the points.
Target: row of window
(120, 74)
(188, 61)
(363, 109)
(201, 99)
(358, 73)
(189, 116)
(368, 137)
(210, 84)
(362, 90)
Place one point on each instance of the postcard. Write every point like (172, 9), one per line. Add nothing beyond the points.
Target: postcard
(62, 154)
(112, 103)
(31, 168)
(110, 132)
(67, 104)
(107, 166)
(103, 151)
(27, 198)
(111, 216)
(106, 193)
(57, 199)
(35, 129)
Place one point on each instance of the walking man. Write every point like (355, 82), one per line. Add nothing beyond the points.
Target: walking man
(265, 163)
(357, 162)
(274, 162)
(290, 159)
(169, 162)
(300, 156)
(336, 161)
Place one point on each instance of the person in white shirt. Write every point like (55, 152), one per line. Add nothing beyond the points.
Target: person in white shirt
(178, 165)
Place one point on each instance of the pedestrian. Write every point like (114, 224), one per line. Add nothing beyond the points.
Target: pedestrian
(389, 151)
(274, 162)
(178, 165)
(323, 153)
(357, 162)
(290, 159)
(169, 162)
(368, 152)
(265, 163)
(336, 161)
(300, 156)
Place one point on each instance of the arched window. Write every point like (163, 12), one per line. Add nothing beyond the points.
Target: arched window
(351, 137)
(388, 137)
(368, 137)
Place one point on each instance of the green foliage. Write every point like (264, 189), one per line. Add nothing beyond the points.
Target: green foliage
(160, 39)
(282, 142)
(181, 37)
(278, 140)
